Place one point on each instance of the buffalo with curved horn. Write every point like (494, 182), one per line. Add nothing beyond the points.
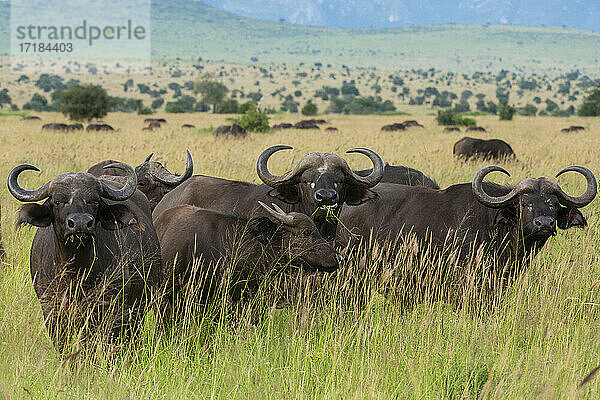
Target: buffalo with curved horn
(95, 258)
(248, 248)
(318, 186)
(154, 180)
(511, 222)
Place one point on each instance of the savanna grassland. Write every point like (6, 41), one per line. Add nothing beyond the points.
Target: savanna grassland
(354, 334)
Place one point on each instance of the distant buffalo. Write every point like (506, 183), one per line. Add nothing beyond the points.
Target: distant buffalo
(55, 127)
(234, 130)
(159, 120)
(306, 124)
(75, 127)
(572, 128)
(402, 175)
(154, 125)
(393, 127)
(99, 127)
(452, 129)
(283, 125)
(412, 123)
(495, 149)
(187, 126)
(31, 118)
(476, 129)
(331, 129)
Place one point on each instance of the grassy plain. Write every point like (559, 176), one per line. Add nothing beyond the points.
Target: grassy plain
(538, 338)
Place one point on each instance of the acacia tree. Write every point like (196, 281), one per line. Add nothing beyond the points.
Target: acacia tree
(213, 92)
(85, 102)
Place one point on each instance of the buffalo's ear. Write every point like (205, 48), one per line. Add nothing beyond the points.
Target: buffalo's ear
(116, 216)
(505, 216)
(570, 217)
(262, 228)
(356, 195)
(286, 193)
(39, 215)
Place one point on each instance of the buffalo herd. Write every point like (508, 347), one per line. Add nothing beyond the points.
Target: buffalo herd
(114, 241)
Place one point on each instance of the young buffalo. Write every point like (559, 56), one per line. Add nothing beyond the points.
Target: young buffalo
(233, 248)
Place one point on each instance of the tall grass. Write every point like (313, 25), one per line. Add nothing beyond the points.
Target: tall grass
(388, 324)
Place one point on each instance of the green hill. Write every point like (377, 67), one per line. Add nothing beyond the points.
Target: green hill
(190, 29)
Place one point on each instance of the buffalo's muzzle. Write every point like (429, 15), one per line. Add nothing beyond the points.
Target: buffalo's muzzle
(326, 197)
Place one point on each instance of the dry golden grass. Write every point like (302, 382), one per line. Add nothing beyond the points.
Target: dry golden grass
(539, 338)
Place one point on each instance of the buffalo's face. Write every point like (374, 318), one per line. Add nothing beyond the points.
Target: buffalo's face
(541, 214)
(74, 206)
(304, 242)
(537, 206)
(298, 236)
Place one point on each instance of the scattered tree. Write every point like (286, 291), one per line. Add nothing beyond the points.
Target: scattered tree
(85, 102)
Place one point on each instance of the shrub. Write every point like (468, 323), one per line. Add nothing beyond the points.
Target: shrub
(242, 108)
(85, 102)
(506, 112)
(448, 117)
(255, 120)
(174, 108)
(528, 110)
(157, 103)
(37, 103)
(229, 106)
(310, 109)
(591, 104)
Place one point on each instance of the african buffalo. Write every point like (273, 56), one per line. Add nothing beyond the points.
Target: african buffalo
(393, 127)
(95, 258)
(234, 130)
(283, 125)
(494, 149)
(318, 180)
(159, 120)
(452, 129)
(476, 129)
(75, 127)
(55, 127)
(306, 124)
(154, 180)
(412, 123)
(331, 129)
(250, 249)
(401, 175)
(187, 126)
(31, 118)
(99, 127)
(510, 223)
(572, 128)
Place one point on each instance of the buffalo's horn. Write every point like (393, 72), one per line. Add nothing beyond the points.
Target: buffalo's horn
(585, 198)
(378, 168)
(279, 214)
(127, 190)
(263, 171)
(18, 192)
(486, 199)
(167, 178)
(149, 157)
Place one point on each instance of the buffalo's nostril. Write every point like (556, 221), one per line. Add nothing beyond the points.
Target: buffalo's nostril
(537, 222)
(70, 223)
(90, 224)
